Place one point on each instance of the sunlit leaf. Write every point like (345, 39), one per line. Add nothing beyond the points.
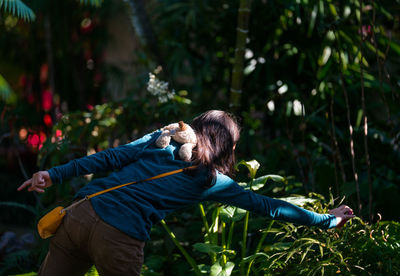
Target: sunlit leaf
(259, 182)
(313, 19)
(252, 166)
(231, 213)
(218, 270)
(298, 200)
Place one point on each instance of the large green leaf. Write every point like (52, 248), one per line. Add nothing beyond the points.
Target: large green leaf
(18, 8)
(219, 270)
(231, 213)
(259, 182)
(298, 200)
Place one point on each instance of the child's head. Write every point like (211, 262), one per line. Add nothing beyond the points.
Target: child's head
(217, 134)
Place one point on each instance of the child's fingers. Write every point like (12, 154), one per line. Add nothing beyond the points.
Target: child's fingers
(39, 190)
(25, 184)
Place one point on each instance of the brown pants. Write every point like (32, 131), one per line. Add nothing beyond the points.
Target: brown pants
(83, 239)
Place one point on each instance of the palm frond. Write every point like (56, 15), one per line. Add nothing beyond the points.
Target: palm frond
(95, 3)
(18, 8)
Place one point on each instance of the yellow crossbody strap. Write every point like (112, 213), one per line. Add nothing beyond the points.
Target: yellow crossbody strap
(148, 179)
(49, 224)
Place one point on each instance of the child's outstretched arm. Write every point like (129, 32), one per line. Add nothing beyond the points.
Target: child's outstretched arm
(229, 192)
(107, 160)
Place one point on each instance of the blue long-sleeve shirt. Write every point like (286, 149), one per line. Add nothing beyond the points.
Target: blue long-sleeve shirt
(135, 208)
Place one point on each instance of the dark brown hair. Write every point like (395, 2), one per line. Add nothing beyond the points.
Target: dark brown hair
(217, 133)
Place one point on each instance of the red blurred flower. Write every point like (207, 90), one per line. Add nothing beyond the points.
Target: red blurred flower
(47, 100)
(42, 137)
(47, 120)
(33, 140)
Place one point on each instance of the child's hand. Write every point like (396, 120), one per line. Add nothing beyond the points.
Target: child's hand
(38, 182)
(343, 213)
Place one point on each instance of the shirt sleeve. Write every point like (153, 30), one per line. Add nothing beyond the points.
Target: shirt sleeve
(103, 161)
(227, 191)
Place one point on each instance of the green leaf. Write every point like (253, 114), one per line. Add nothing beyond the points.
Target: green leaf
(254, 256)
(298, 200)
(280, 246)
(231, 213)
(219, 270)
(314, 14)
(92, 272)
(6, 92)
(18, 8)
(252, 166)
(259, 182)
(207, 248)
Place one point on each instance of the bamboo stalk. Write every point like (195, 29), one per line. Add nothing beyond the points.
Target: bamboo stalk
(367, 158)
(241, 37)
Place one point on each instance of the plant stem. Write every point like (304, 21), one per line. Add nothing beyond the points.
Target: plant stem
(206, 226)
(230, 234)
(213, 233)
(264, 235)
(223, 242)
(244, 241)
(189, 259)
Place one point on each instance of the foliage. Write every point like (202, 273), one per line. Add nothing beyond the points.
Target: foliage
(18, 8)
(319, 105)
(299, 64)
(285, 249)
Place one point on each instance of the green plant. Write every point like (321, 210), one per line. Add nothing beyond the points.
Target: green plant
(285, 249)
(18, 8)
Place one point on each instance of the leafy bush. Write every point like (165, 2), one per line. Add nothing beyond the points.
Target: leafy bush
(280, 248)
